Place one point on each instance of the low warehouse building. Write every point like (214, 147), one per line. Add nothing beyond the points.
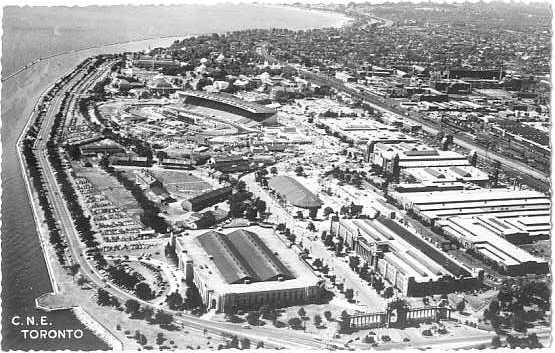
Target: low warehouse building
(246, 269)
(441, 175)
(501, 203)
(207, 199)
(407, 261)
(486, 242)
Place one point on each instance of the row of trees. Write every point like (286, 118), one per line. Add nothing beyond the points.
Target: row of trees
(191, 301)
(161, 317)
(508, 310)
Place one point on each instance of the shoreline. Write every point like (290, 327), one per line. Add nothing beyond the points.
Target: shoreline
(342, 22)
(31, 192)
(84, 317)
(79, 312)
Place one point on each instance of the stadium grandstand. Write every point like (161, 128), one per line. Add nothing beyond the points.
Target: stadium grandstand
(231, 104)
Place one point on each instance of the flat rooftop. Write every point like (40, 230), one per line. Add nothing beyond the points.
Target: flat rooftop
(503, 203)
(486, 241)
(447, 174)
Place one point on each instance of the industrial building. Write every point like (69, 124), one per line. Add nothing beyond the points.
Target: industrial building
(231, 104)
(104, 146)
(408, 262)
(441, 175)
(501, 203)
(207, 199)
(414, 155)
(246, 269)
(488, 238)
(356, 130)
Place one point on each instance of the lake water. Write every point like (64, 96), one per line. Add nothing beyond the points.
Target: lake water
(32, 33)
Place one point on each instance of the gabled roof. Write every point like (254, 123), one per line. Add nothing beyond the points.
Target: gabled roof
(227, 258)
(265, 263)
(242, 255)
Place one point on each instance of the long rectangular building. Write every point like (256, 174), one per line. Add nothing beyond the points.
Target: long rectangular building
(488, 238)
(414, 155)
(245, 269)
(407, 261)
(502, 203)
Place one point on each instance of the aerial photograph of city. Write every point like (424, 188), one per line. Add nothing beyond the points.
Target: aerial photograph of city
(311, 175)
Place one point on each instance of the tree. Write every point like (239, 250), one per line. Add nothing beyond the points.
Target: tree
(311, 227)
(388, 293)
(317, 263)
(294, 323)
(114, 302)
(349, 294)
(461, 306)
(240, 186)
(354, 262)
(103, 297)
(234, 343)
(496, 341)
(245, 343)
(273, 170)
(260, 206)
(74, 269)
(162, 318)
(327, 315)
(142, 340)
(328, 241)
(338, 248)
(493, 307)
(344, 315)
(81, 280)
(143, 291)
(327, 211)
(317, 320)
(174, 300)
(260, 344)
(299, 171)
(132, 306)
(160, 338)
(148, 313)
(301, 312)
(253, 318)
(251, 213)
